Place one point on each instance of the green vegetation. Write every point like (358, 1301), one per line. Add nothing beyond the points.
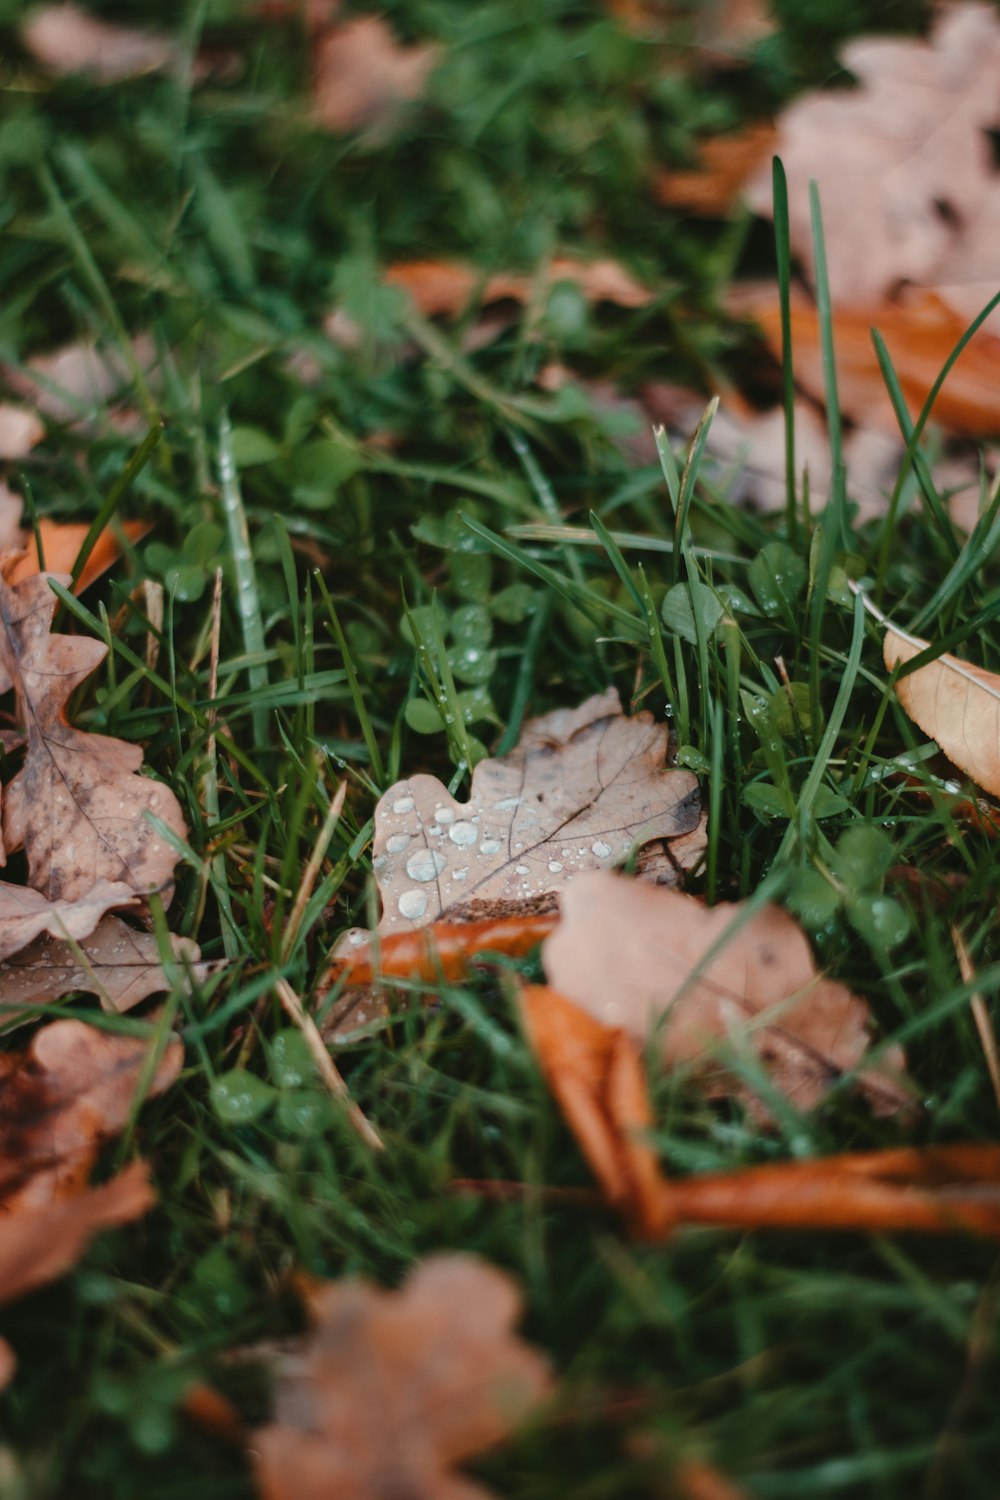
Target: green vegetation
(397, 523)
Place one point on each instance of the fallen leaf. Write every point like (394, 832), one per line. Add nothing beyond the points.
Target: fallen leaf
(442, 950)
(752, 447)
(74, 383)
(118, 963)
(39, 1244)
(582, 789)
(392, 1390)
(20, 430)
(61, 543)
(64, 40)
(69, 1091)
(724, 166)
(77, 806)
(25, 914)
(595, 1073)
(900, 161)
(953, 702)
(445, 288)
(362, 76)
(919, 333)
(644, 959)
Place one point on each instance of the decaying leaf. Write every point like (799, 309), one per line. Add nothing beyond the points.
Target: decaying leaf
(77, 806)
(582, 790)
(596, 1074)
(362, 76)
(118, 963)
(708, 981)
(954, 702)
(64, 39)
(77, 381)
(902, 162)
(68, 1092)
(394, 1389)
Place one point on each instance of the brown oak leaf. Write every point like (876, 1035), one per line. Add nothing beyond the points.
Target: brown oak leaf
(392, 1390)
(118, 963)
(63, 39)
(711, 980)
(77, 806)
(25, 914)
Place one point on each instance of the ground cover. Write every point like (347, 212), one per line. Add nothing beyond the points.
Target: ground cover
(384, 360)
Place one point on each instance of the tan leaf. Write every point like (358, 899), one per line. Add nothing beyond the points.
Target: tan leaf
(63, 39)
(954, 702)
(25, 914)
(392, 1390)
(116, 962)
(644, 959)
(20, 430)
(362, 75)
(77, 806)
(581, 790)
(900, 160)
(78, 380)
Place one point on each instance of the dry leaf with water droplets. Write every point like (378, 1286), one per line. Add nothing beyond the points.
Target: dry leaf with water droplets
(392, 1390)
(26, 914)
(709, 981)
(362, 76)
(77, 806)
(116, 962)
(582, 789)
(954, 702)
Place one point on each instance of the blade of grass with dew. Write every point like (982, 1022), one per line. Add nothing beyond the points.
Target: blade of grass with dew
(247, 597)
(782, 249)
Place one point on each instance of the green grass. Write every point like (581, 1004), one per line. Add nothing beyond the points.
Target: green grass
(415, 533)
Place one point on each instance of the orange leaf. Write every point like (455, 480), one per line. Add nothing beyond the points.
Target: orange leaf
(61, 543)
(443, 950)
(725, 162)
(919, 333)
(596, 1075)
(444, 288)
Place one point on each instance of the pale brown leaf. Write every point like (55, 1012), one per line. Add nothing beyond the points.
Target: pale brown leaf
(77, 806)
(954, 702)
(582, 789)
(20, 430)
(900, 160)
(25, 914)
(118, 963)
(78, 380)
(363, 76)
(392, 1390)
(638, 957)
(63, 39)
